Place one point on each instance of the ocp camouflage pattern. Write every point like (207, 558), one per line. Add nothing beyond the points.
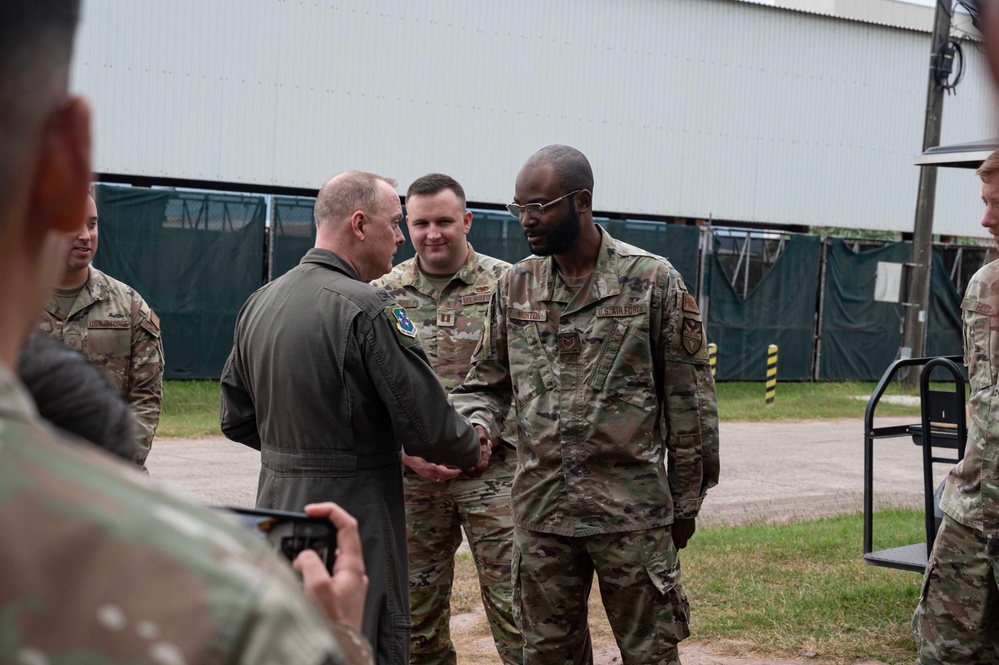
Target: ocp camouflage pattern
(96, 566)
(617, 417)
(116, 330)
(449, 325)
(971, 494)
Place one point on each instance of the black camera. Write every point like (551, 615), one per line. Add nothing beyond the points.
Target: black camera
(290, 533)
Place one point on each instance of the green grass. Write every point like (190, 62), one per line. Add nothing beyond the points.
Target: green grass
(190, 408)
(786, 589)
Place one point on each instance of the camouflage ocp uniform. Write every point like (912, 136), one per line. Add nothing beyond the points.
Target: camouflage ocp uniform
(116, 330)
(97, 567)
(617, 436)
(449, 323)
(957, 620)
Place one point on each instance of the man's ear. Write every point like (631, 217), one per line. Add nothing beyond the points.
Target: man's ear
(466, 221)
(62, 178)
(583, 200)
(358, 222)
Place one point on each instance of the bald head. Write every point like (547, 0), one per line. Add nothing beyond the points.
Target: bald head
(346, 193)
(569, 165)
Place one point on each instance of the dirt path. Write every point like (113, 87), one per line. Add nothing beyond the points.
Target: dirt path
(770, 471)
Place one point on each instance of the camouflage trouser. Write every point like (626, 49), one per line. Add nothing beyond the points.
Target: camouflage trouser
(639, 577)
(435, 515)
(957, 619)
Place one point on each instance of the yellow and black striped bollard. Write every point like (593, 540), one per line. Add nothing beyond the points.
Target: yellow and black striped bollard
(712, 357)
(771, 373)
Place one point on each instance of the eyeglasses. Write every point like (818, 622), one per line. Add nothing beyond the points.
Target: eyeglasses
(535, 209)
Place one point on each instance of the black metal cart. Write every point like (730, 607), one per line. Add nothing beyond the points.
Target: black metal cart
(942, 414)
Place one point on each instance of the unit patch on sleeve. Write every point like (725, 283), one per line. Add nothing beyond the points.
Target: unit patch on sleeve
(403, 322)
(691, 335)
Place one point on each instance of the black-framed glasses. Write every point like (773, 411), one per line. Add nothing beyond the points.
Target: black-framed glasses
(535, 209)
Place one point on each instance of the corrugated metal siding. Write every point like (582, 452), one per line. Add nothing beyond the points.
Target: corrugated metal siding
(692, 108)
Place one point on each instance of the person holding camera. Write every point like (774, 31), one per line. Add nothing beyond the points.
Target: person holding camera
(94, 562)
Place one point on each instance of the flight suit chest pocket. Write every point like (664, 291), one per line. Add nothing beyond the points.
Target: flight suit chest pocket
(529, 364)
(623, 368)
(981, 344)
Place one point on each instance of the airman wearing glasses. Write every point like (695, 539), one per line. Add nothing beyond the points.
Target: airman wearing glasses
(602, 352)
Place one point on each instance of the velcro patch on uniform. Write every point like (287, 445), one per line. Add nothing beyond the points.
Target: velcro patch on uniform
(403, 322)
(408, 304)
(477, 298)
(485, 288)
(623, 310)
(690, 304)
(445, 319)
(692, 336)
(568, 343)
(108, 323)
(383, 294)
(527, 314)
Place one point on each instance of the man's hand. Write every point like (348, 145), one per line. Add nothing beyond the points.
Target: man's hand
(683, 529)
(485, 451)
(341, 595)
(429, 470)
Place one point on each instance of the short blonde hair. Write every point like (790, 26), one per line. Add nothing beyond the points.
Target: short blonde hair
(989, 167)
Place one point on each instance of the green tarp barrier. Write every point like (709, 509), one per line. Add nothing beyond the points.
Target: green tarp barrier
(779, 310)
(861, 336)
(194, 257)
(494, 233)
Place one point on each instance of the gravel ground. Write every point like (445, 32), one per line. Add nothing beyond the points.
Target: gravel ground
(770, 471)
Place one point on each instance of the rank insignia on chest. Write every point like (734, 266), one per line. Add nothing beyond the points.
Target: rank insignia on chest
(691, 335)
(568, 343)
(445, 319)
(403, 322)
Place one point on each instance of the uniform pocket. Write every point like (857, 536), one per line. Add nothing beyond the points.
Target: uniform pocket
(526, 352)
(623, 369)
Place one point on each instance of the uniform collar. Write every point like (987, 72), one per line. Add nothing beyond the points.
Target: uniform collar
(604, 283)
(95, 289)
(412, 275)
(330, 259)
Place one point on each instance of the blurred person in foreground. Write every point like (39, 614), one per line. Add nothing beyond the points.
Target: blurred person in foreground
(95, 564)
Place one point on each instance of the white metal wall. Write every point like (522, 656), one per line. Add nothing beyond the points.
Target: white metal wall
(694, 108)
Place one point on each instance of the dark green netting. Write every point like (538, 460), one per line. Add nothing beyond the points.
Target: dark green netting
(294, 232)
(194, 257)
(861, 336)
(494, 233)
(943, 336)
(779, 310)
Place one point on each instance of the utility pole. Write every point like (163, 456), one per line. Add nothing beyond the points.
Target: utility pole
(914, 332)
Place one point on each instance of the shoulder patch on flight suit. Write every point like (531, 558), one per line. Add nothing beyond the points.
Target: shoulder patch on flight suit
(405, 329)
(383, 294)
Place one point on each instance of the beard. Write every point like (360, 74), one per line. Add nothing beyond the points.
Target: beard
(561, 236)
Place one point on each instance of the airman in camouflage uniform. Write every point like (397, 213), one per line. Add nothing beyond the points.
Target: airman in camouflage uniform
(95, 565)
(110, 324)
(446, 290)
(957, 620)
(603, 353)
